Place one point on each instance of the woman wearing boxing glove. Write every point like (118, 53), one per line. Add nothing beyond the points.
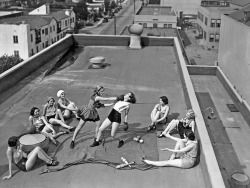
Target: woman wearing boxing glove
(114, 118)
(89, 112)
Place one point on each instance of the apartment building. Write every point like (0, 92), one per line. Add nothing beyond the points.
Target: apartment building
(209, 23)
(5, 3)
(156, 17)
(234, 50)
(29, 34)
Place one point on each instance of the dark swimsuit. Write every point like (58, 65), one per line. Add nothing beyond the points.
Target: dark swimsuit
(22, 164)
(115, 116)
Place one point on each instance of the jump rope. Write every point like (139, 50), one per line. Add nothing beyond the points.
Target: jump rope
(96, 160)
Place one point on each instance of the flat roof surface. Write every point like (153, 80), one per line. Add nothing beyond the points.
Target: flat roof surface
(155, 10)
(149, 73)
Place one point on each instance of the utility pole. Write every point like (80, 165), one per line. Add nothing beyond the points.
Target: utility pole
(114, 24)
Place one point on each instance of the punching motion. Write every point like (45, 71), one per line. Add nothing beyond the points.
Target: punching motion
(114, 118)
(89, 112)
(185, 148)
(160, 113)
(22, 160)
(66, 106)
(181, 125)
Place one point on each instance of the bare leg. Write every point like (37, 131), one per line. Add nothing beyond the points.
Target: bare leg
(78, 128)
(59, 115)
(179, 145)
(155, 117)
(104, 125)
(172, 125)
(115, 126)
(174, 163)
(37, 152)
(98, 124)
(54, 121)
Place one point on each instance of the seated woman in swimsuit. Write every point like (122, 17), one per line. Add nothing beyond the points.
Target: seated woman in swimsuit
(22, 160)
(181, 125)
(66, 106)
(52, 114)
(160, 113)
(114, 118)
(186, 148)
(38, 124)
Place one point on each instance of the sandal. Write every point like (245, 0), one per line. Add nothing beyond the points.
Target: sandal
(95, 143)
(161, 135)
(53, 163)
(143, 160)
(72, 129)
(150, 128)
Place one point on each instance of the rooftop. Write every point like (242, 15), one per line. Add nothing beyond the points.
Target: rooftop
(241, 2)
(155, 10)
(240, 15)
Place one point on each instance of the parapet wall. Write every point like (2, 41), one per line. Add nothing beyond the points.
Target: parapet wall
(12, 76)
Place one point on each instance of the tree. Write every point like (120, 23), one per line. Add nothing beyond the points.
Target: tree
(81, 10)
(6, 62)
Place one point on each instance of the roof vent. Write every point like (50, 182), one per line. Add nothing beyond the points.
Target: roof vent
(155, 13)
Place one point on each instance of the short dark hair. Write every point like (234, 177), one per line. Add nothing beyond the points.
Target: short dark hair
(190, 134)
(164, 99)
(132, 98)
(32, 111)
(12, 142)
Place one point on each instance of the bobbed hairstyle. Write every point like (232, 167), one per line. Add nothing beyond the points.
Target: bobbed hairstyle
(190, 134)
(190, 114)
(32, 111)
(50, 98)
(12, 142)
(132, 98)
(164, 99)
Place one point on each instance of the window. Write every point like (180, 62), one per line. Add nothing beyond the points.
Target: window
(31, 38)
(211, 38)
(54, 27)
(43, 44)
(46, 31)
(32, 52)
(51, 41)
(57, 37)
(37, 50)
(66, 23)
(212, 23)
(15, 39)
(205, 20)
(205, 35)
(50, 29)
(43, 31)
(218, 23)
(154, 25)
(145, 25)
(165, 25)
(217, 37)
(169, 25)
(16, 53)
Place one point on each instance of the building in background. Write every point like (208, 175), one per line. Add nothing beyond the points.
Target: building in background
(234, 50)
(156, 17)
(209, 22)
(27, 35)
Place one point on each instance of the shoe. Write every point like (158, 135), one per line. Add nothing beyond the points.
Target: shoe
(150, 128)
(143, 160)
(72, 129)
(55, 142)
(53, 163)
(121, 143)
(161, 135)
(154, 127)
(95, 143)
(72, 144)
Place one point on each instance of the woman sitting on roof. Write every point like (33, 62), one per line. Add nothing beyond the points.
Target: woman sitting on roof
(160, 113)
(186, 149)
(181, 125)
(22, 160)
(66, 106)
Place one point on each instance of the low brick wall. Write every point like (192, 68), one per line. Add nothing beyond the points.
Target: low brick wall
(12, 76)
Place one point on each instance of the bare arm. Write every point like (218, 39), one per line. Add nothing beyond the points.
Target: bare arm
(44, 110)
(126, 114)
(47, 124)
(110, 104)
(66, 107)
(98, 98)
(172, 137)
(165, 115)
(183, 150)
(192, 125)
(9, 156)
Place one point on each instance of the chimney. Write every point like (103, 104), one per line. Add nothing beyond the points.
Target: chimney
(246, 15)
